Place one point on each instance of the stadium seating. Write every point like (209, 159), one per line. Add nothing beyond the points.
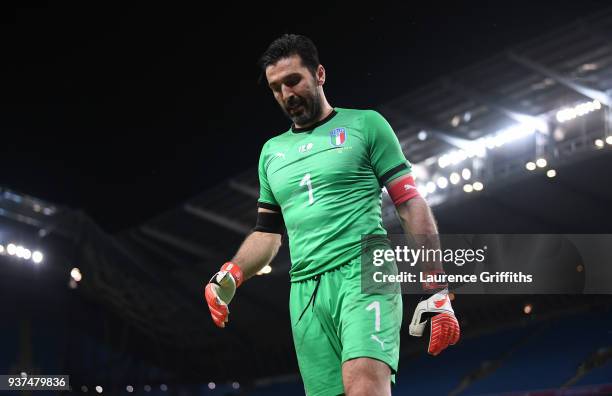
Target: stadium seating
(542, 355)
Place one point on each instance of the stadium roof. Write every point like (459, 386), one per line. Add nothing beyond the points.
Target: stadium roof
(531, 80)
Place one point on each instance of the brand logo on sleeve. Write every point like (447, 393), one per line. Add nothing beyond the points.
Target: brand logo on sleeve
(338, 137)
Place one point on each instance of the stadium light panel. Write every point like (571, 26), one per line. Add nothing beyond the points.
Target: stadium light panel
(581, 109)
(455, 178)
(508, 135)
(541, 162)
(442, 182)
(75, 274)
(524, 128)
(265, 270)
(479, 147)
(589, 67)
(37, 257)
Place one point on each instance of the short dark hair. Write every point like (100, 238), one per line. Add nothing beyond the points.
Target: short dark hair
(288, 45)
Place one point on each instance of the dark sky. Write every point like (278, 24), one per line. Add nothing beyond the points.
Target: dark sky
(126, 112)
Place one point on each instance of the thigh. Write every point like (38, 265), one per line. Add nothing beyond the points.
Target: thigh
(317, 346)
(366, 376)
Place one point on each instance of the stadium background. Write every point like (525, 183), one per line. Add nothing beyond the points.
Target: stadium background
(130, 137)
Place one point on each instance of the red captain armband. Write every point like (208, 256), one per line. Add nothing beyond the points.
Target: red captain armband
(402, 189)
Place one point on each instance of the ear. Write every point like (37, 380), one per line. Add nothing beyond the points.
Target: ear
(320, 75)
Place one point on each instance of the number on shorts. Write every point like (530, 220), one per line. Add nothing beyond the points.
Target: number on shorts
(376, 307)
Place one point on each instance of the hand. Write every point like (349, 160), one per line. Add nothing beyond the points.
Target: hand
(436, 315)
(220, 290)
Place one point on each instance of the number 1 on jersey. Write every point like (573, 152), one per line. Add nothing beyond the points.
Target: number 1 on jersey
(306, 182)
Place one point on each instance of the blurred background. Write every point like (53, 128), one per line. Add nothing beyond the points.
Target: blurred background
(130, 138)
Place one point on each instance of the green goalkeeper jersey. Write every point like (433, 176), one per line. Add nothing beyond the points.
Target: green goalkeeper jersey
(326, 180)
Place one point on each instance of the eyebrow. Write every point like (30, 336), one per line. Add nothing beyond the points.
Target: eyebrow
(284, 78)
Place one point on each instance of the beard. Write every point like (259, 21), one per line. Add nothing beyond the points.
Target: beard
(303, 110)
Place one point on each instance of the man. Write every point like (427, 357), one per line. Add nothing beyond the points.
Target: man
(322, 179)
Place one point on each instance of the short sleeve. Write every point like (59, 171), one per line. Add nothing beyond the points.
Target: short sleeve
(386, 156)
(266, 198)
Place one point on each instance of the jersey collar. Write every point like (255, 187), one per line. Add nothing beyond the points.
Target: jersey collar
(315, 125)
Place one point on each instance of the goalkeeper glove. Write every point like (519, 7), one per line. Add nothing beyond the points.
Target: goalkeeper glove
(435, 318)
(220, 290)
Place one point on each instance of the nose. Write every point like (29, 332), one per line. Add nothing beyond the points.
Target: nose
(287, 92)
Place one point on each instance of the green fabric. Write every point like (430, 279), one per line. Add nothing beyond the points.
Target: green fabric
(329, 190)
(341, 325)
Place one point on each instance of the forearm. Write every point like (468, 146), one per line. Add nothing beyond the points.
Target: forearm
(420, 227)
(257, 250)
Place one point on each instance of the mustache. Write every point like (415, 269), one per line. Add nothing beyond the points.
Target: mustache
(293, 102)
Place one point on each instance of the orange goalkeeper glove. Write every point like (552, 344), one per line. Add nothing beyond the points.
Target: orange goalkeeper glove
(220, 290)
(435, 318)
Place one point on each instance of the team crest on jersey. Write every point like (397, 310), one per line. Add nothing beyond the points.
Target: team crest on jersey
(338, 137)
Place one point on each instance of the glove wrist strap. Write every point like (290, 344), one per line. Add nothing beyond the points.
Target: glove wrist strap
(433, 287)
(235, 271)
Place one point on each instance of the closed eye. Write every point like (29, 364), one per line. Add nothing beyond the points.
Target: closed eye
(290, 81)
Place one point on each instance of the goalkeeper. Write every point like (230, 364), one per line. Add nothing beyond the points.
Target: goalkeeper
(322, 180)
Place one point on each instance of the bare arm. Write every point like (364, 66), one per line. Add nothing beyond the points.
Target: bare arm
(420, 226)
(257, 250)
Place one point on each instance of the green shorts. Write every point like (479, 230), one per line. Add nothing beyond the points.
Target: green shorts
(339, 323)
